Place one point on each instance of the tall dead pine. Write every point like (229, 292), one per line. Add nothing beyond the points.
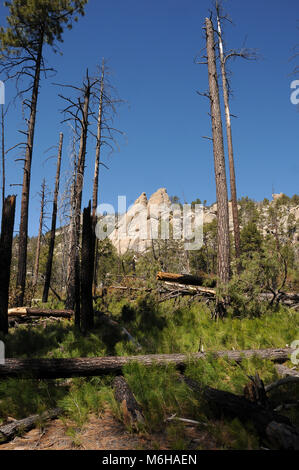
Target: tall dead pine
(7, 226)
(39, 237)
(223, 268)
(53, 225)
(233, 189)
(87, 268)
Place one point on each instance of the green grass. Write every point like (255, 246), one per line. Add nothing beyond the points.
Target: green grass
(158, 328)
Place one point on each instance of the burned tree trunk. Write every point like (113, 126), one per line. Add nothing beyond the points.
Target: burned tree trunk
(233, 189)
(92, 366)
(23, 231)
(7, 225)
(275, 429)
(96, 176)
(223, 270)
(39, 237)
(11, 430)
(87, 266)
(131, 410)
(53, 225)
(73, 288)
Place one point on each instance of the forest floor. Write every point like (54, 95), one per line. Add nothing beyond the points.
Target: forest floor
(102, 433)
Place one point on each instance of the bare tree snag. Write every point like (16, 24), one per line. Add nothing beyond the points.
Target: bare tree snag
(53, 225)
(23, 230)
(39, 237)
(11, 430)
(91, 366)
(87, 269)
(131, 410)
(7, 226)
(3, 152)
(233, 189)
(223, 270)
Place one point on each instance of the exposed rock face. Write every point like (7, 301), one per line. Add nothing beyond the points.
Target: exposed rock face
(141, 223)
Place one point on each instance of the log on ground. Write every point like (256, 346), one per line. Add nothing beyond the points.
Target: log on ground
(97, 366)
(131, 410)
(276, 430)
(11, 430)
(186, 279)
(39, 312)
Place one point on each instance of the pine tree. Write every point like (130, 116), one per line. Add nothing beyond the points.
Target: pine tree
(31, 25)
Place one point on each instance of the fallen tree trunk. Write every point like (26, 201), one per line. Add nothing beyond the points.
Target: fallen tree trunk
(11, 430)
(92, 366)
(276, 429)
(131, 410)
(289, 377)
(181, 283)
(39, 312)
(183, 279)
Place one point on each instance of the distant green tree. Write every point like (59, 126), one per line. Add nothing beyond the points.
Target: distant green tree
(251, 239)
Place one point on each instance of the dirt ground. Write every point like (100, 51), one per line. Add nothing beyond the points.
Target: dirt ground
(101, 433)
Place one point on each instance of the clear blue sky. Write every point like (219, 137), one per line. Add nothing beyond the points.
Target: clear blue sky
(151, 46)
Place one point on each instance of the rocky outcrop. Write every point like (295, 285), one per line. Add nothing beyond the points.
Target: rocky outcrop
(136, 228)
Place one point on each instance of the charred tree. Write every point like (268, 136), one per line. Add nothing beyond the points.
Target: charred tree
(53, 225)
(39, 237)
(7, 226)
(233, 189)
(87, 264)
(30, 26)
(223, 270)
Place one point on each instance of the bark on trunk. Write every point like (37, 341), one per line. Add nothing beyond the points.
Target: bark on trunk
(182, 279)
(73, 288)
(275, 429)
(39, 312)
(87, 267)
(223, 270)
(53, 225)
(23, 231)
(11, 430)
(3, 154)
(7, 225)
(233, 189)
(96, 178)
(39, 237)
(92, 366)
(131, 410)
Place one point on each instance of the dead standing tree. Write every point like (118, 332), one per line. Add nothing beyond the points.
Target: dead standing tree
(8, 218)
(108, 101)
(53, 224)
(224, 57)
(79, 112)
(40, 234)
(223, 268)
(87, 263)
(31, 26)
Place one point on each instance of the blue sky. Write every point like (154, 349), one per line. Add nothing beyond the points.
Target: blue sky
(150, 47)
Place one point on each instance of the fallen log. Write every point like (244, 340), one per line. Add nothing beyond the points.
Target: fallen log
(289, 377)
(92, 366)
(275, 429)
(186, 279)
(11, 430)
(39, 312)
(290, 299)
(131, 410)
